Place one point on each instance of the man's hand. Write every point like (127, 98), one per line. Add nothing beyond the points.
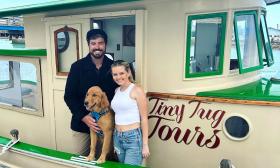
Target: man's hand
(90, 122)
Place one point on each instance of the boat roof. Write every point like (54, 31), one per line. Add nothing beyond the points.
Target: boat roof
(271, 2)
(16, 8)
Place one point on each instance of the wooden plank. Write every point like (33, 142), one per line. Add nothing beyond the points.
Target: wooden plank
(212, 99)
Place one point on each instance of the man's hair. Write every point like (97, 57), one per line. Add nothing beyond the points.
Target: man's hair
(95, 33)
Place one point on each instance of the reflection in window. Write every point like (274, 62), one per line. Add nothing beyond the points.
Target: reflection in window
(247, 41)
(205, 40)
(66, 49)
(29, 85)
(5, 75)
(266, 43)
(62, 41)
(24, 89)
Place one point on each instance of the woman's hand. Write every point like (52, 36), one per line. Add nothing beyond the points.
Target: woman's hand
(145, 151)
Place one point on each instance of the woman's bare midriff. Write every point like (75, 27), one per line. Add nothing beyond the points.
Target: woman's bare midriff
(123, 128)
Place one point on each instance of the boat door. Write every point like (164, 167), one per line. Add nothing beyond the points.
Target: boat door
(65, 39)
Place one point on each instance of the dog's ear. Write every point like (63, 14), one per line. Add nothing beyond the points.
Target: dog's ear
(104, 101)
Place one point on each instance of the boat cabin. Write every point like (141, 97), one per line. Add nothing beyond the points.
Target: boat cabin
(199, 61)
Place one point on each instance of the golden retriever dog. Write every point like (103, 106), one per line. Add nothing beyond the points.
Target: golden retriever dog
(97, 103)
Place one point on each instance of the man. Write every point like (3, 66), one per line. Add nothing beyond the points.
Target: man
(92, 70)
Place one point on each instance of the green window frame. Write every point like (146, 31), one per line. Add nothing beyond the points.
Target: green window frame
(269, 60)
(217, 67)
(253, 13)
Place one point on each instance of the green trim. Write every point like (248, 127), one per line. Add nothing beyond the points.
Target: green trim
(55, 5)
(23, 52)
(223, 17)
(266, 45)
(38, 150)
(260, 66)
(262, 89)
(58, 154)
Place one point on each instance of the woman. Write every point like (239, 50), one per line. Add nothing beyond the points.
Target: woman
(131, 118)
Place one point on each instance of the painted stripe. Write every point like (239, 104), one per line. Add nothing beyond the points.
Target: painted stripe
(82, 160)
(23, 52)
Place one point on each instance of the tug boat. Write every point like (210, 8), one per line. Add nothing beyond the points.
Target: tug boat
(199, 62)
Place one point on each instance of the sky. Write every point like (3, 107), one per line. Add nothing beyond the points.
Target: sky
(273, 14)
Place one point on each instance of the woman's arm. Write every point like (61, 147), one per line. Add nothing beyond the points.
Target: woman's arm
(141, 100)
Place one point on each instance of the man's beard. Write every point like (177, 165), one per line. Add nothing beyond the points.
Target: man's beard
(97, 54)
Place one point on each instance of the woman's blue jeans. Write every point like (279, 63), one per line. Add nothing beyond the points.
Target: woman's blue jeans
(128, 146)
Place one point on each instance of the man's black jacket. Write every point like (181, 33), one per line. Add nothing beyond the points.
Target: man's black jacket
(84, 74)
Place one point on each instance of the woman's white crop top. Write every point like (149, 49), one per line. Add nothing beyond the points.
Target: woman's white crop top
(125, 108)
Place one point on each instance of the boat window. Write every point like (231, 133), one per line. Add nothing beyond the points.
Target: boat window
(247, 39)
(5, 75)
(20, 87)
(121, 34)
(233, 54)
(205, 44)
(266, 42)
(236, 127)
(66, 49)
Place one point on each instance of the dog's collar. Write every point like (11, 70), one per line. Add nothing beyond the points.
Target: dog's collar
(98, 115)
(95, 115)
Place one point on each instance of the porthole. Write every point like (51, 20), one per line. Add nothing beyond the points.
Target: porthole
(237, 127)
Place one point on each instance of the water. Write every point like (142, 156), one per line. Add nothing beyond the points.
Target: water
(274, 70)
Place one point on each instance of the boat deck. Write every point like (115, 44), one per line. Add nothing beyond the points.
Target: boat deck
(263, 92)
(260, 90)
(58, 156)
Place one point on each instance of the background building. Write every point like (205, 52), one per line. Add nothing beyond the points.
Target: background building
(11, 27)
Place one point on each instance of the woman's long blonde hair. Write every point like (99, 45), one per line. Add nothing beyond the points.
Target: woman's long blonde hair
(126, 67)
